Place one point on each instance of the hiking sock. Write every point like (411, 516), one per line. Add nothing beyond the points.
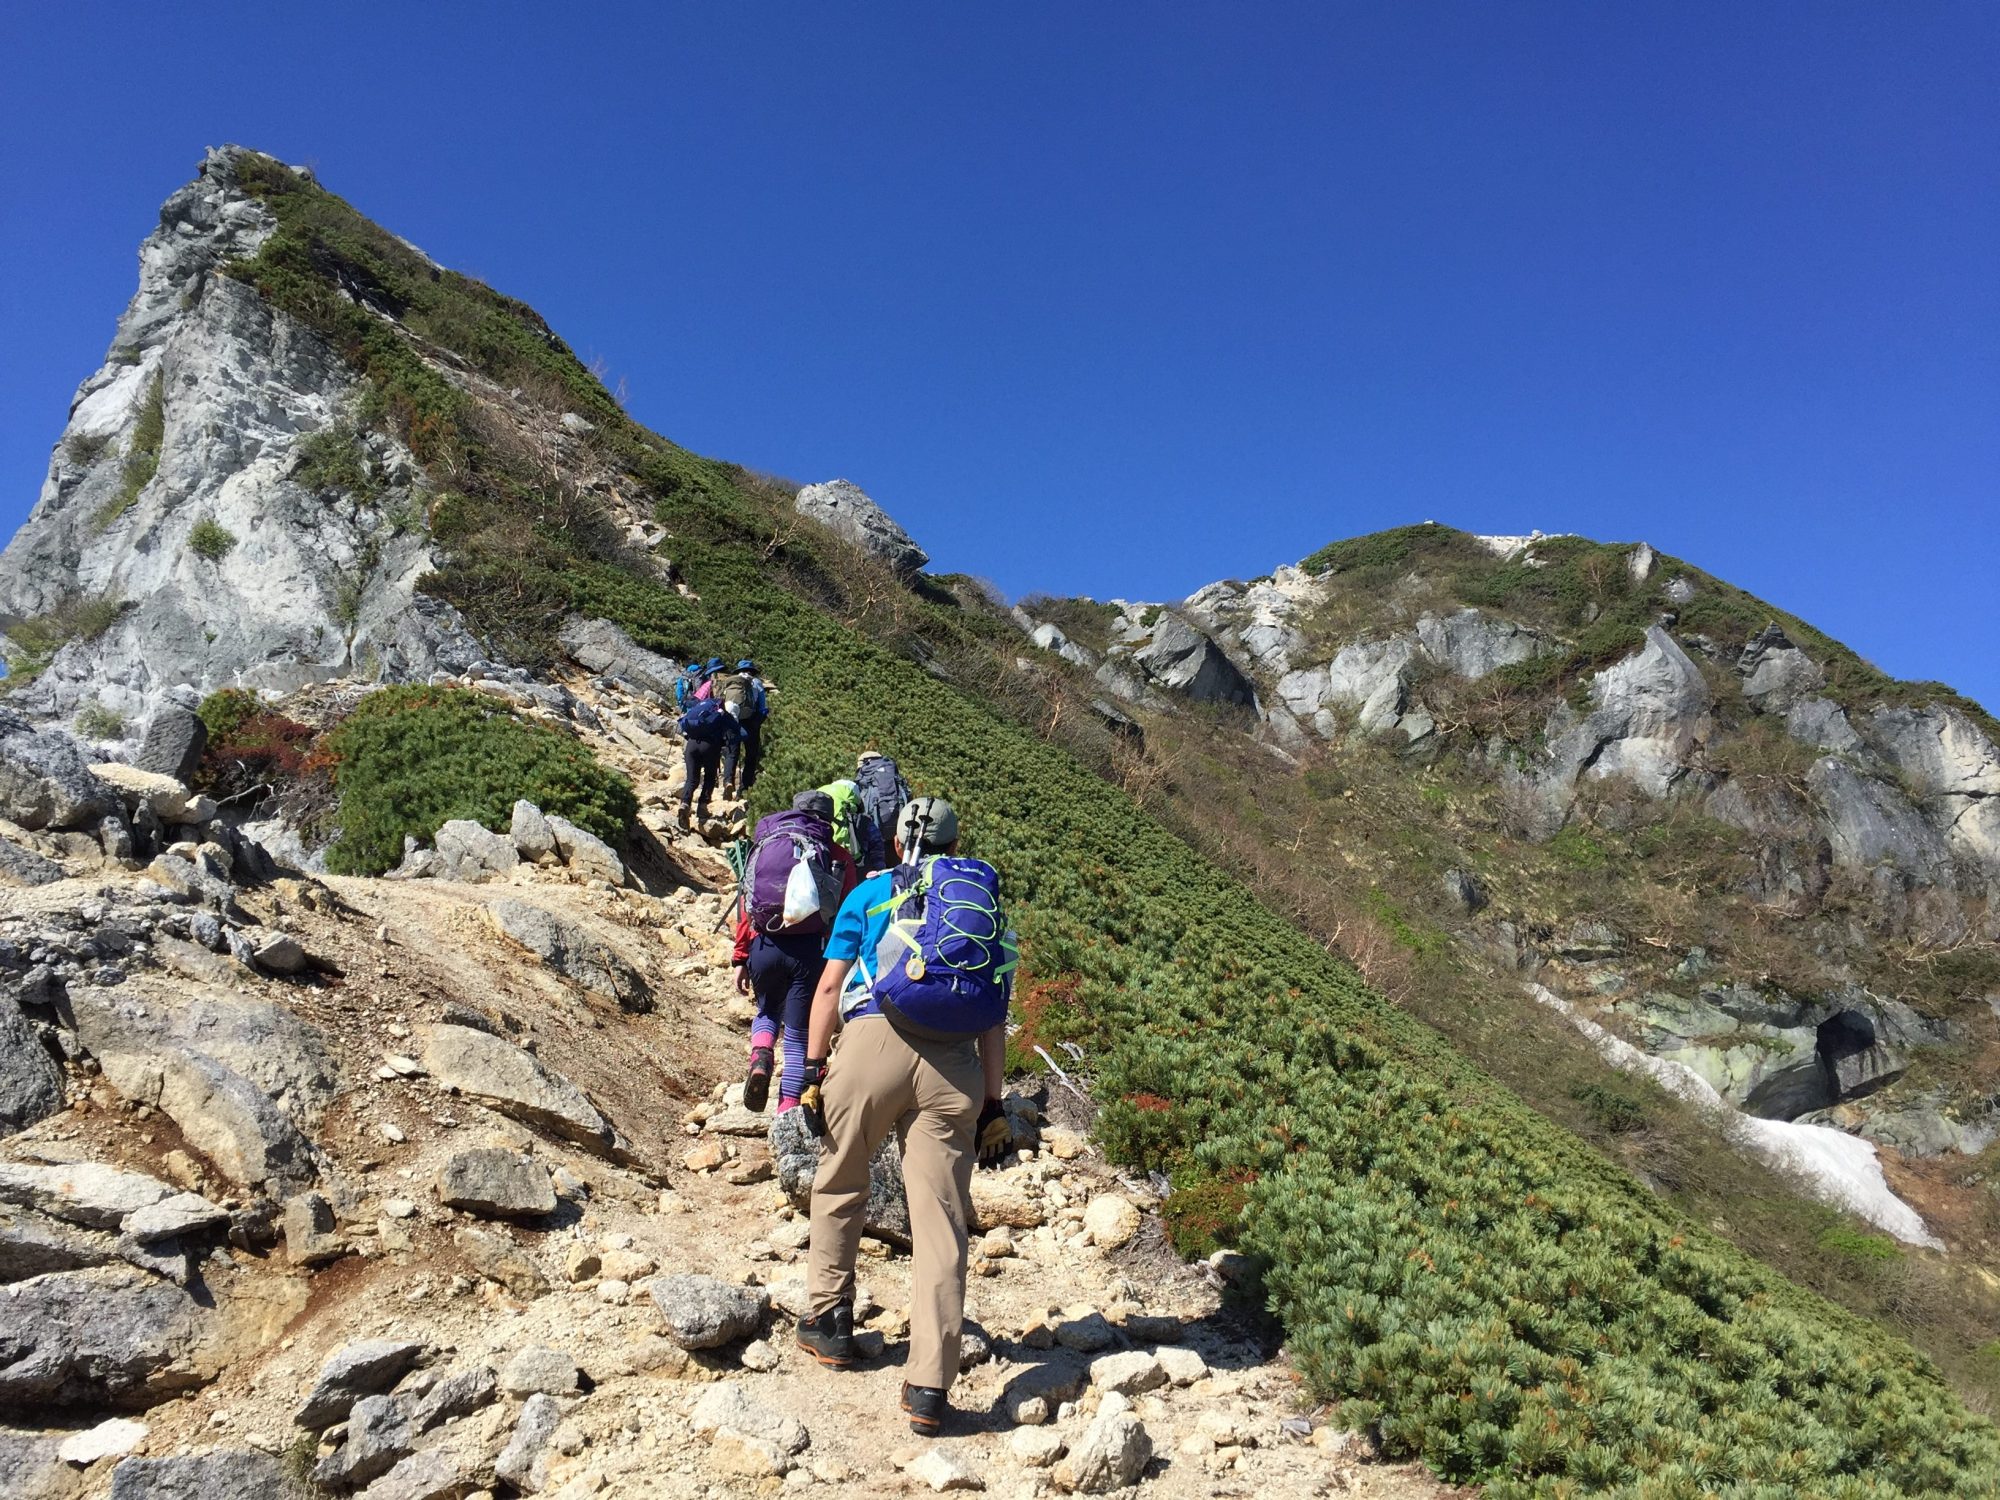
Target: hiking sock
(792, 1081)
(764, 1034)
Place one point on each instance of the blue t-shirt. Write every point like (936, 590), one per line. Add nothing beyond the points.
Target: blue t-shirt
(857, 937)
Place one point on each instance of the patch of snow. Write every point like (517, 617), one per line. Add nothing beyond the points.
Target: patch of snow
(1508, 546)
(1842, 1169)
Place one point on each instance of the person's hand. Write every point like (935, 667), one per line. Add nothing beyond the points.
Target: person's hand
(811, 1105)
(743, 979)
(994, 1136)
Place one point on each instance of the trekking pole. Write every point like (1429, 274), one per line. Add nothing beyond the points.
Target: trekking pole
(1064, 1078)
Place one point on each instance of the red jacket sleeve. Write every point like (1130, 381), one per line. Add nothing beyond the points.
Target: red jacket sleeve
(743, 933)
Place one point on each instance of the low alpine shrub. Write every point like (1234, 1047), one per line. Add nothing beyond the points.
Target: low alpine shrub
(410, 759)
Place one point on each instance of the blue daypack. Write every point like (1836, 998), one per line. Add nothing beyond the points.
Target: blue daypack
(692, 676)
(707, 721)
(945, 965)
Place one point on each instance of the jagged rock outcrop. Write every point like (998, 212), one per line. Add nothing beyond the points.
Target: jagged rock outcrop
(201, 415)
(846, 511)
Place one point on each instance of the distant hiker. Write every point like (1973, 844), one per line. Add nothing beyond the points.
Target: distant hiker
(746, 687)
(708, 727)
(793, 885)
(858, 833)
(883, 790)
(917, 975)
(705, 689)
(690, 687)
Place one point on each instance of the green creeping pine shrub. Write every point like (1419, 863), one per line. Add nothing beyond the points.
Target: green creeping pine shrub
(142, 455)
(334, 459)
(227, 710)
(96, 722)
(210, 540)
(1512, 1307)
(410, 759)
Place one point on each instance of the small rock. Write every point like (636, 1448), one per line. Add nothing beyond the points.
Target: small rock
(498, 1183)
(1064, 1145)
(581, 1263)
(727, 1408)
(399, 1208)
(1086, 1334)
(534, 840)
(279, 953)
(1226, 1429)
(1111, 1221)
(704, 1313)
(613, 1292)
(351, 1372)
(1112, 1453)
(1037, 1447)
(758, 1355)
(1183, 1366)
(112, 1438)
(391, 1132)
(706, 1155)
(309, 1226)
(627, 1265)
(499, 1258)
(1128, 1374)
(941, 1472)
(539, 1368)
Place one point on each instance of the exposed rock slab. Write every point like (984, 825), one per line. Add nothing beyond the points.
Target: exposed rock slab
(88, 1193)
(843, 509)
(473, 853)
(175, 740)
(365, 1368)
(497, 1183)
(103, 1338)
(238, 1475)
(224, 1116)
(610, 652)
(573, 953)
(31, 1086)
(1183, 660)
(503, 1077)
(46, 780)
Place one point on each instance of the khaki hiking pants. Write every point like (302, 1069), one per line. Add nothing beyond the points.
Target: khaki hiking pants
(879, 1080)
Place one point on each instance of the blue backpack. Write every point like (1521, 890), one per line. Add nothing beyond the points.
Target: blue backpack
(692, 677)
(707, 721)
(945, 966)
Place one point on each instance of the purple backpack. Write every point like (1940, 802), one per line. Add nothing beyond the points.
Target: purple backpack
(791, 883)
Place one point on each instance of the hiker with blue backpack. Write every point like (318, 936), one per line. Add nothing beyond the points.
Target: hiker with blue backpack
(859, 834)
(707, 728)
(918, 972)
(794, 882)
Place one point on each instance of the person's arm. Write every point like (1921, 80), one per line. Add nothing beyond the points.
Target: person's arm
(740, 957)
(826, 1008)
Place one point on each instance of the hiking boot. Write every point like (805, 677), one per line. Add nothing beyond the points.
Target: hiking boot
(757, 1083)
(686, 815)
(926, 1405)
(728, 791)
(829, 1337)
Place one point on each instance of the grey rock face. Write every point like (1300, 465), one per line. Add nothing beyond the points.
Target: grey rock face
(434, 1474)
(459, 1394)
(501, 1076)
(24, 867)
(1464, 891)
(1953, 771)
(309, 1228)
(31, 1085)
(533, 838)
(472, 853)
(224, 1116)
(1880, 841)
(573, 953)
(174, 742)
(101, 1338)
(271, 1046)
(239, 1475)
(795, 1155)
(1049, 638)
(496, 1182)
(1775, 673)
(87, 1193)
(586, 853)
(1257, 622)
(46, 780)
(351, 1372)
(240, 388)
(1472, 643)
(610, 652)
(1183, 660)
(844, 510)
(182, 1214)
(524, 1462)
(540, 1368)
(379, 1434)
(1648, 713)
(31, 1245)
(703, 1313)
(31, 1467)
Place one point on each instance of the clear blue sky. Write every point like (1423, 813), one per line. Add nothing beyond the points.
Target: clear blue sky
(1120, 299)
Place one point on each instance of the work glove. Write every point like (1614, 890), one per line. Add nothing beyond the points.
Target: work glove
(994, 1137)
(811, 1105)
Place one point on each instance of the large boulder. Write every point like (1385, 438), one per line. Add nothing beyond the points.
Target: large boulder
(609, 652)
(46, 780)
(503, 1077)
(87, 1193)
(99, 1338)
(31, 1086)
(586, 853)
(224, 1116)
(795, 1156)
(236, 1475)
(704, 1313)
(573, 953)
(24, 867)
(1648, 713)
(472, 853)
(1183, 660)
(1776, 674)
(844, 510)
(351, 1372)
(175, 740)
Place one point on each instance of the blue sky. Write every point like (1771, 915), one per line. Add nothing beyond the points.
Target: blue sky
(1120, 299)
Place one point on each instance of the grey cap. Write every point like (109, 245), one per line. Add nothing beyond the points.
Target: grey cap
(819, 804)
(927, 823)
